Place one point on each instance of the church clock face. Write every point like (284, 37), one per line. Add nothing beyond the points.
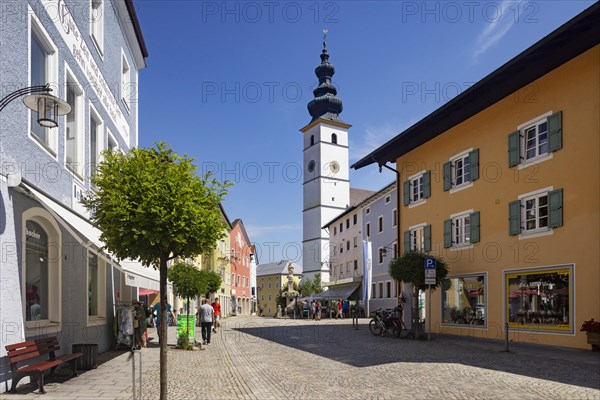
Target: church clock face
(334, 167)
(311, 165)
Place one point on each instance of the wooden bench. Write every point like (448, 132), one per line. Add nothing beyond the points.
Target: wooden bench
(32, 349)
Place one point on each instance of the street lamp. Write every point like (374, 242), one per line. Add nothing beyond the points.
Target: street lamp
(39, 99)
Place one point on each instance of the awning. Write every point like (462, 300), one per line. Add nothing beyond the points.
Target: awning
(147, 292)
(137, 275)
(335, 293)
(89, 236)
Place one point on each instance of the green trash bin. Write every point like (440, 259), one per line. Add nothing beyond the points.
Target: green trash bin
(182, 325)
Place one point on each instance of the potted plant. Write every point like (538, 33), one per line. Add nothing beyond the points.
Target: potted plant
(592, 329)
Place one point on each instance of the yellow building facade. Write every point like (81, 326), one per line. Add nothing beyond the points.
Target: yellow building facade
(270, 279)
(509, 195)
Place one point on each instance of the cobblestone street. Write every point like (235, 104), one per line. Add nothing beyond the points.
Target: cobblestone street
(260, 358)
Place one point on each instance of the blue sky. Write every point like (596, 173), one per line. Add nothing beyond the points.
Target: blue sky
(228, 83)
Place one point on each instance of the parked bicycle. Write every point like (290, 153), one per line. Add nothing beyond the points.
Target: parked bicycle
(385, 322)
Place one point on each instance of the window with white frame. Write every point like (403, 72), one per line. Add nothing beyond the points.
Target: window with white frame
(388, 289)
(460, 170)
(74, 131)
(416, 188)
(348, 245)
(381, 290)
(125, 82)
(355, 241)
(42, 70)
(417, 238)
(387, 199)
(368, 211)
(380, 255)
(535, 212)
(97, 24)
(535, 140)
(380, 224)
(96, 140)
(269, 285)
(373, 290)
(112, 143)
(354, 219)
(461, 230)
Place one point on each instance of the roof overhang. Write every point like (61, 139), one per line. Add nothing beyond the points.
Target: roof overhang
(565, 43)
(325, 122)
(133, 31)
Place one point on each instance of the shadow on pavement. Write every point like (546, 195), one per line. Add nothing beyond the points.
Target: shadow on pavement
(359, 348)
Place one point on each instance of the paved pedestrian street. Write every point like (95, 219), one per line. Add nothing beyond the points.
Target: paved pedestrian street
(264, 358)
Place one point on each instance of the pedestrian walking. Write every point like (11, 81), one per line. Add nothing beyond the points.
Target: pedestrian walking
(206, 316)
(217, 307)
(157, 319)
(313, 309)
(339, 310)
(318, 310)
(140, 324)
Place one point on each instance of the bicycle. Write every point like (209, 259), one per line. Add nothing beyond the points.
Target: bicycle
(384, 323)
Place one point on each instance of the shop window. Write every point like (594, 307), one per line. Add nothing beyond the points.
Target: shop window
(464, 300)
(540, 299)
(40, 273)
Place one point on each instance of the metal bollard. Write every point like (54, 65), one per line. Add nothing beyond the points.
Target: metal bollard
(133, 353)
(506, 337)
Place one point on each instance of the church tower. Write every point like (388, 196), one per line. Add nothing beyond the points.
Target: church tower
(326, 170)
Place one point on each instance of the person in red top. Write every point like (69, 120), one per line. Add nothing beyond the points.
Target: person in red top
(217, 307)
(339, 309)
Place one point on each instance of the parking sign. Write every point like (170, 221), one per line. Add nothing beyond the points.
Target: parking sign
(430, 271)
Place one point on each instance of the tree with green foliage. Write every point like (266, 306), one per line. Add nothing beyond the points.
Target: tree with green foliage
(212, 282)
(409, 268)
(151, 206)
(309, 286)
(188, 283)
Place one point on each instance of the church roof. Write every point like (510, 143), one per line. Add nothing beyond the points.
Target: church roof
(325, 105)
(277, 268)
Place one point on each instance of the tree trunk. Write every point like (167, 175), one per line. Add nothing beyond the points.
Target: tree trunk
(163, 326)
(187, 318)
(415, 311)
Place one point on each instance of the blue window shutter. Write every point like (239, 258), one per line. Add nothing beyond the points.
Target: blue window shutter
(427, 234)
(474, 165)
(474, 224)
(448, 233)
(427, 184)
(406, 241)
(555, 208)
(447, 176)
(555, 131)
(406, 193)
(514, 148)
(514, 217)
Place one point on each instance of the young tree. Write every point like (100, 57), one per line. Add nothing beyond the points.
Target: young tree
(409, 268)
(212, 281)
(187, 283)
(151, 206)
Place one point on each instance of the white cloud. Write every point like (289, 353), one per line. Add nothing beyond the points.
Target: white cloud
(373, 137)
(496, 29)
(256, 230)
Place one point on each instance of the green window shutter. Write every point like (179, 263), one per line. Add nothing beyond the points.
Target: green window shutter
(448, 233)
(427, 234)
(514, 217)
(406, 193)
(474, 165)
(447, 176)
(406, 241)
(514, 148)
(555, 131)
(427, 184)
(555, 208)
(474, 224)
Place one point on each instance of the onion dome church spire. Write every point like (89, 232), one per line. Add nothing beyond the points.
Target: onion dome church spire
(325, 105)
